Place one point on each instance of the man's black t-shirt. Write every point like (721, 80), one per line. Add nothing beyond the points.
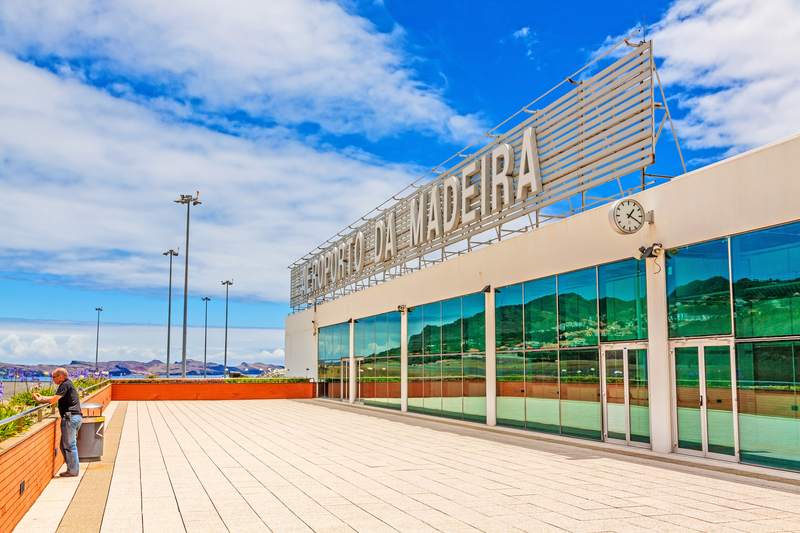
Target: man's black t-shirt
(69, 402)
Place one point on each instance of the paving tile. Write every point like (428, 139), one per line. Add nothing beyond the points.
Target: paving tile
(299, 466)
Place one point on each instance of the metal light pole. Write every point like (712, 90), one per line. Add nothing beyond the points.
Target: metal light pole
(97, 348)
(189, 200)
(171, 254)
(205, 347)
(225, 363)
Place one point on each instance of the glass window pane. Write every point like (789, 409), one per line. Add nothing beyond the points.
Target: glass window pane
(336, 341)
(381, 381)
(334, 380)
(623, 301)
(577, 308)
(321, 356)
(415, 380)
(698, 290)
(766, 281)
(687, 387)
(432, 316)
(719, 394)
(451, 326)
(393, 379)
(432, 385)
(393, 348)
(638, 395)
(475, 386)
(508, 317)
(415, 325)
(358, 340)
(615, 395)
(541, 316)
(473, 310)
(768, 382)
(381, 335)
(452, 386)
(367, 384)
(511, 389)
(580, 393)
(329, 343)
(369, 336)
(542, 410)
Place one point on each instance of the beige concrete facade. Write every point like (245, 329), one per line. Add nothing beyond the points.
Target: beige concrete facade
(747, 192)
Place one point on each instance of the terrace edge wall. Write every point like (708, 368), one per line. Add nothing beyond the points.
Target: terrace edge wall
(30, 458)
(212, 391)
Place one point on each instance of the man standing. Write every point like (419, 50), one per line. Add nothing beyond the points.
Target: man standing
(69, 407)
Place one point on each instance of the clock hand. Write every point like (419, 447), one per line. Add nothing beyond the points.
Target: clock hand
(629, 214)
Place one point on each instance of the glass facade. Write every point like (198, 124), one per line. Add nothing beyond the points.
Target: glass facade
(766, 282)
(333, 344)
(622, 288)
(698, 290)
(769, 416)
(376, 347)
(548, 334)
(447, 358)
(764, 269)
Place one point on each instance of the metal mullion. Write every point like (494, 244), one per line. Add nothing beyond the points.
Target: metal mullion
(524, 357)
(604, 393)
(558, 354)
(626, 388)
(701, 356)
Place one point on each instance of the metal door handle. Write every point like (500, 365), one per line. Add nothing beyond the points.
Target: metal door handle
(701, 400)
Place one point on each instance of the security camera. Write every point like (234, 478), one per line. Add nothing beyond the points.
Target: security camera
(639, 253)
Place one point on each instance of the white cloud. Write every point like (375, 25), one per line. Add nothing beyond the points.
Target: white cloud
(59, 342)
(292, 61)
(89, 180)
(527, 37)
(736, 70)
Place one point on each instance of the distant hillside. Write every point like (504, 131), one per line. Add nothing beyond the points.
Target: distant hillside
(126, 368)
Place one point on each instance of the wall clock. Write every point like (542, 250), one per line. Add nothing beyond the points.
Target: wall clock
(626, 216)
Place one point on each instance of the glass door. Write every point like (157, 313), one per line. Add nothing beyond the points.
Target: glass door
(625, 395)
(705, 403)
(357, 374)
(345, 380)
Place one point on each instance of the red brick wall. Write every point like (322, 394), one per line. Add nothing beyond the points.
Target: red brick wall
(211, 391)
(32, 460)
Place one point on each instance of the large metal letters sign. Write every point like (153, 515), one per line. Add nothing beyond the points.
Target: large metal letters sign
(598, 131)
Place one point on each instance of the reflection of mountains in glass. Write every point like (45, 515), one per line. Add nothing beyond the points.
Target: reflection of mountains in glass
(580, 316)
(766, 308)
(474, 327)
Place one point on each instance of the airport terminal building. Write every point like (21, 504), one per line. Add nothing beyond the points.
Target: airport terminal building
(665, 317)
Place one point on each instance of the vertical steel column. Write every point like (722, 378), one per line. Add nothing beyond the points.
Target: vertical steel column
(404, 360)
(491, 362)
(353, 374)
(658, 360)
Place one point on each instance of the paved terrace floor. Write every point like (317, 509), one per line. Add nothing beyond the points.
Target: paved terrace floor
(299, 466)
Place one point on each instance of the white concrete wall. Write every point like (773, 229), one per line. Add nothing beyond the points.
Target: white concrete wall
(756, 189)
(301, 345)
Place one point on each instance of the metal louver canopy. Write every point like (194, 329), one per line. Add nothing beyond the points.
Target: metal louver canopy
(598, 131)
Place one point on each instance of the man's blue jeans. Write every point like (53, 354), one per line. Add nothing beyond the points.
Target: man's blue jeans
(70, 425)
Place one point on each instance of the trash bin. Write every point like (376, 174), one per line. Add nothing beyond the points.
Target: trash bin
(90, 435)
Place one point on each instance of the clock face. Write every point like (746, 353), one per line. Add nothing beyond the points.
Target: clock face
(627, 216)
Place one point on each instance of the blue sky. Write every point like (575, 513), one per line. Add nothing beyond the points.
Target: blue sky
(292, 118)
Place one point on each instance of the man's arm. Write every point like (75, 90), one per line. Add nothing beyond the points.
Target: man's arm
(46, 399)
